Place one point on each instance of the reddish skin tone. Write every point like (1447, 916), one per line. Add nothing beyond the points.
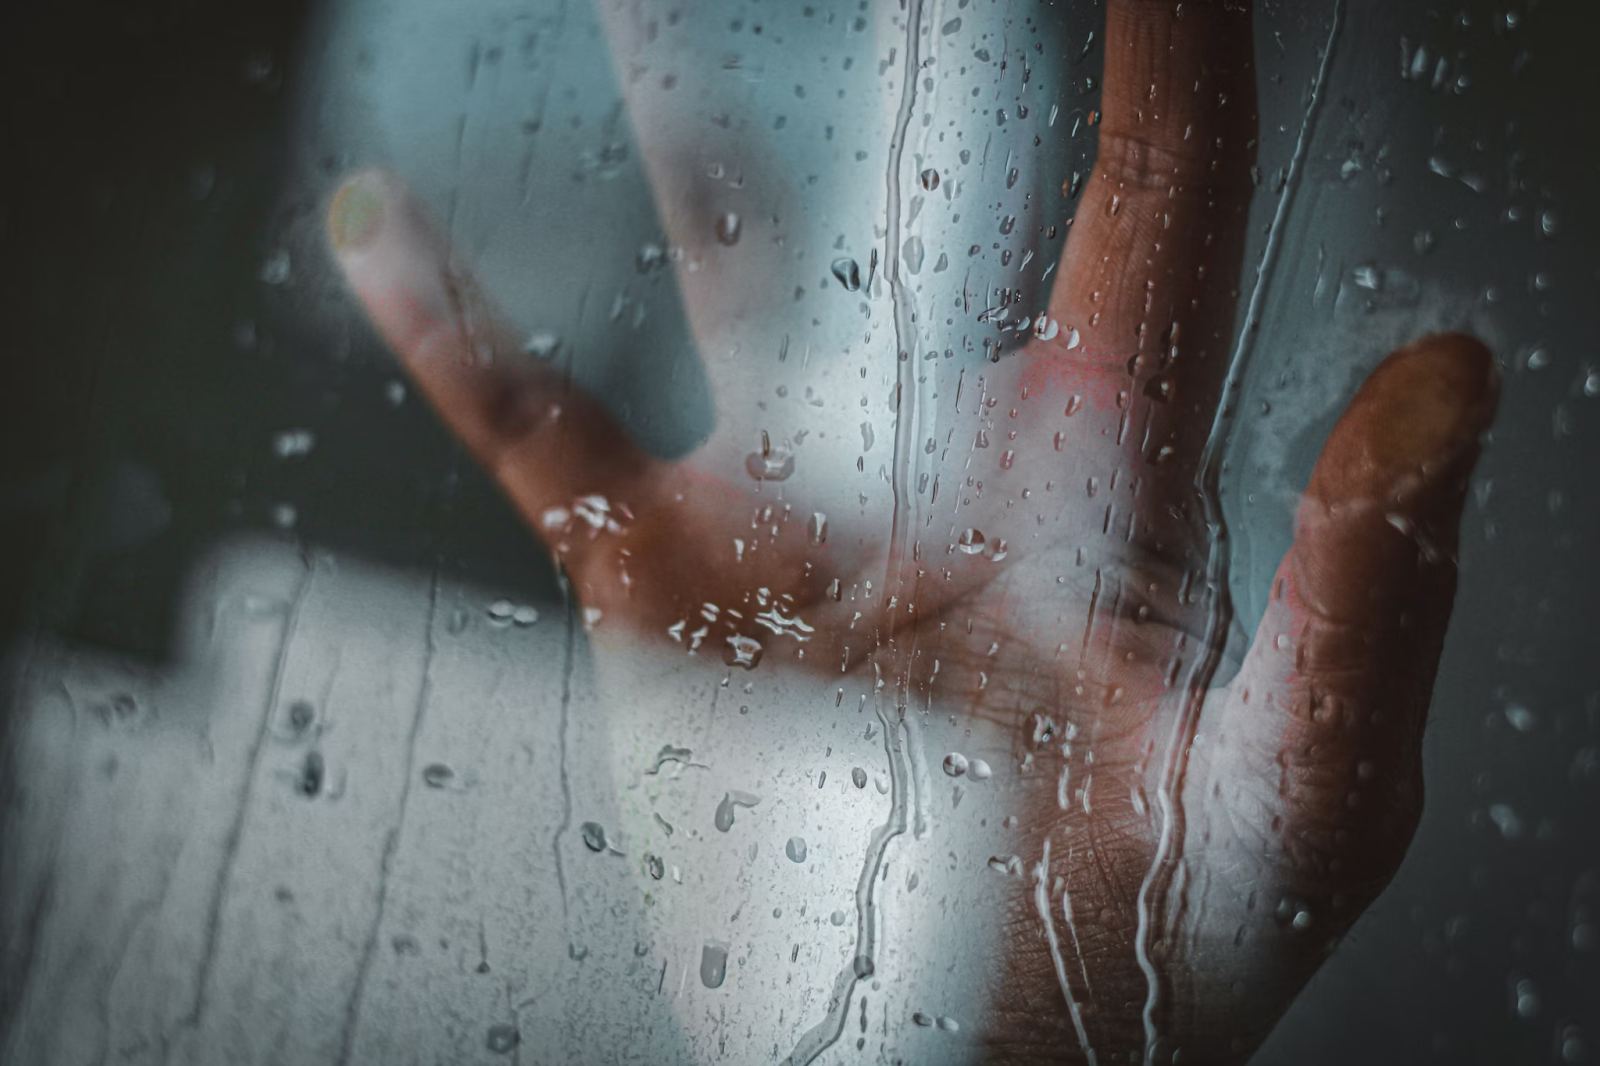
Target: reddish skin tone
(1306, 785)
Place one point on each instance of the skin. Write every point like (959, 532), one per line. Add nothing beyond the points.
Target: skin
(1302, 787)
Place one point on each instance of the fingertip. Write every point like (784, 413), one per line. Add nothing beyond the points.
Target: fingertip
(1459, 371)
(1415, 423)
(357, 210)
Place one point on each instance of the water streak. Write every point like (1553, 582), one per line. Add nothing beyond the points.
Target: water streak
(890, 711)
(1041, 903)
(1169, 802)
(825, 1033)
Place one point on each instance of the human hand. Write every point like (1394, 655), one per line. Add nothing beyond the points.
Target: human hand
(1051, 582)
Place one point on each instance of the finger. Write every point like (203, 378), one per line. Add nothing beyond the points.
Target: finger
(1149, 278)
(547, 443)
(1334, 691)
(722, 192)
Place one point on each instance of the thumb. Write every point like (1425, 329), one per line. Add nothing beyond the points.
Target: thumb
(1335, 689)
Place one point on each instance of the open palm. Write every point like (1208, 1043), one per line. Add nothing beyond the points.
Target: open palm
(1184, 873)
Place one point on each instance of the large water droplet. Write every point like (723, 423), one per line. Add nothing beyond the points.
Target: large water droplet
(796, 849)
(848, 273)
(594, 836)
(911, 252)
(723, 819)
(728, 228)
(955, 764)
(774, 465)
(971, 541)
(743, 652)
(930, 179)
(713, 963)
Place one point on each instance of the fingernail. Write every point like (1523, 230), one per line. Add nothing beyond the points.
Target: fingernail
(356, 215)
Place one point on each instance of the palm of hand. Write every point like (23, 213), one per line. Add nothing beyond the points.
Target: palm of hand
(1183, 876)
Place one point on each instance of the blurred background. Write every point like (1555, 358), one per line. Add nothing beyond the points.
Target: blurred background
(237, 554)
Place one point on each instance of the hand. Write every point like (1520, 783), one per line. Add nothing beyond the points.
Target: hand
(1052, 575)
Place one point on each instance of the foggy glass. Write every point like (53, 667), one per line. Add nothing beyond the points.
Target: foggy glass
(312, 755)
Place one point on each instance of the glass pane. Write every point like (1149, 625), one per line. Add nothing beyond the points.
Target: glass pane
(800, 532)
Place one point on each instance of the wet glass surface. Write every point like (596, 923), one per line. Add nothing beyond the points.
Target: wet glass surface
(800, 533)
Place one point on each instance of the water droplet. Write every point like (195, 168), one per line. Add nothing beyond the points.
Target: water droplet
(723, 819)
(743, 652)
(953, 26)
(837, 917)
(525, 615)
(859, 777)
(971, 541)
(774, 465)
(277, 269)
(654, 866)
(911, 251)
(594, 836)
(1591, 384)
(818, 528)
(542, 344)
(502, 1039)
(979, 769)
(713, 963)
(728, 228)
(293, 442)
(796, 849)
(501, 611)
(652, 257)
(955, 764)
(848, 273)
(301, 715)
(1528, 1001)
(924, 1020)
(949, 1025)
(1046, 328)
(312, 774)
(930, 179)
(1007, 224)
(1521, 718)
(437, 775)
